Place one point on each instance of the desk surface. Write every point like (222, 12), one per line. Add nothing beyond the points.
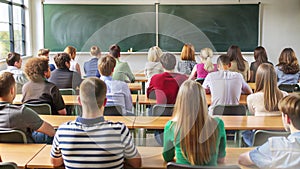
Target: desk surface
(230, 122)
(134, 86)
(151, 157)
(21, 154)
(68, 99)
(57, 120)
(142, 99)
(141, 79)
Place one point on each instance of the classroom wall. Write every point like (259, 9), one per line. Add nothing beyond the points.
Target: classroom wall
(280, 26)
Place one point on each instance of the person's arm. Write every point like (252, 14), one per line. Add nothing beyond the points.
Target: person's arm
(206, 83)
(244, 159)
(56, 156)
(150, 89)
(129, 73)
(222, 145)
(250, 104)
(193, 73)
(246, 89)
(62, 111)
(56, 162)
(128, 99)
(46, 128)
(168, 147)
(135, 162)
(78, 69)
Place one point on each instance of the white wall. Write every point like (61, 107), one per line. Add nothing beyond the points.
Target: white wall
(280, 26)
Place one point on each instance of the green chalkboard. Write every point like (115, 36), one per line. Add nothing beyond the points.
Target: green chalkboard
(214, 26)
(81, 26)
(134, 26)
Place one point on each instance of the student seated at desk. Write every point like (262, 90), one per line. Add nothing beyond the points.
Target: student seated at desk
(14, 63)
(21, 117)
(91, 67)
(264, 102)
(225, 86)
(122, 70)
(74, 66)
(187, 62)
(38, 89)
(288, 70)
(280, 152)
(44, 53)
(192, 135)
(118, 92)
(103, 144)
(62, 77)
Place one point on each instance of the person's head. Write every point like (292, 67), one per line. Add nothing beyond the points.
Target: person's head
(260, 55)
(235, 54)
(206, 55)
(62, 60)
(14, 59)
(290, 108)
(44, 53)
(154, 54)
(106, 65)
(266, 82)
(288, 61)
(37, 69)
(168, 61)
(71, 51)
(7, 87)
(223, 62)
(95, 51)
(115, 51)
(196, 130)
(92, 93)
(188, 52)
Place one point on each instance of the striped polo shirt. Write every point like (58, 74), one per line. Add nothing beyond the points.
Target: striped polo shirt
(93, 143)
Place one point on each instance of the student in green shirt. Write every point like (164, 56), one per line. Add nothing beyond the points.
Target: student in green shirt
(192, 135)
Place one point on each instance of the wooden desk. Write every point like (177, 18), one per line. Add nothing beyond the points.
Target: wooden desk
(57, 120)
(151, 157)
(144, 100)
(142, 79)
(252, 86)
(21, 154)
(134, 86)
(230, 122)
(68, 99)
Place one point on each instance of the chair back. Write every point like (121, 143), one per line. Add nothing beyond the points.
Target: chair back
(262, 136)
(229, 110)
(12, 136)
(67, 91)
(40, 108)
(8, 165)
(163, 110)
(289, 87)
(113, 110)
(172, 165)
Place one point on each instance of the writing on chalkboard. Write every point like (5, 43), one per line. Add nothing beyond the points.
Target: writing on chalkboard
(134, 26)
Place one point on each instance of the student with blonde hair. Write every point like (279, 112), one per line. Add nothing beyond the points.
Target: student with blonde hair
(74, 65)
(202, 69)
(264, 102)
(192, 136)
(91, 67)
(288, 71)
(187, 62)
(153, 66)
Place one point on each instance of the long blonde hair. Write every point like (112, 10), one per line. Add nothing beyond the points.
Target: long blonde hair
(266, 82)
(206, 55)
(154, 53)
(194, 126)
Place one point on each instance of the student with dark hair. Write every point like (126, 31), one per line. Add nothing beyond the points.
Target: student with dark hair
(38, 89)
(14, 63)
(21, 117)
(288, 70)
(279, 152)
(164, 86)
(122, 70)
(44, 53)
(238, 63)
(225, 86)
(260, 56)
(90, 141)
(118, 92)
(62, 77)
(91, 67)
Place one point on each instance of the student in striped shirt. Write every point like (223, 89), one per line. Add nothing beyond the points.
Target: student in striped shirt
(90, 141)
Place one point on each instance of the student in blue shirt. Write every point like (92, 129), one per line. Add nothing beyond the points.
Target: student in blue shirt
(91, 67)
(279, 152)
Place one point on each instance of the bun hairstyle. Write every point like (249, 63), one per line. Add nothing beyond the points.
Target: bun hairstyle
(206, 55)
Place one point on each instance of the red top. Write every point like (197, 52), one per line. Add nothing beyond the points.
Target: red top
(166, 86)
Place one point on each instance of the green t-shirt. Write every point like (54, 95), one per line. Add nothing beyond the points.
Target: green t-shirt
(170, 149)
(123, 72)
